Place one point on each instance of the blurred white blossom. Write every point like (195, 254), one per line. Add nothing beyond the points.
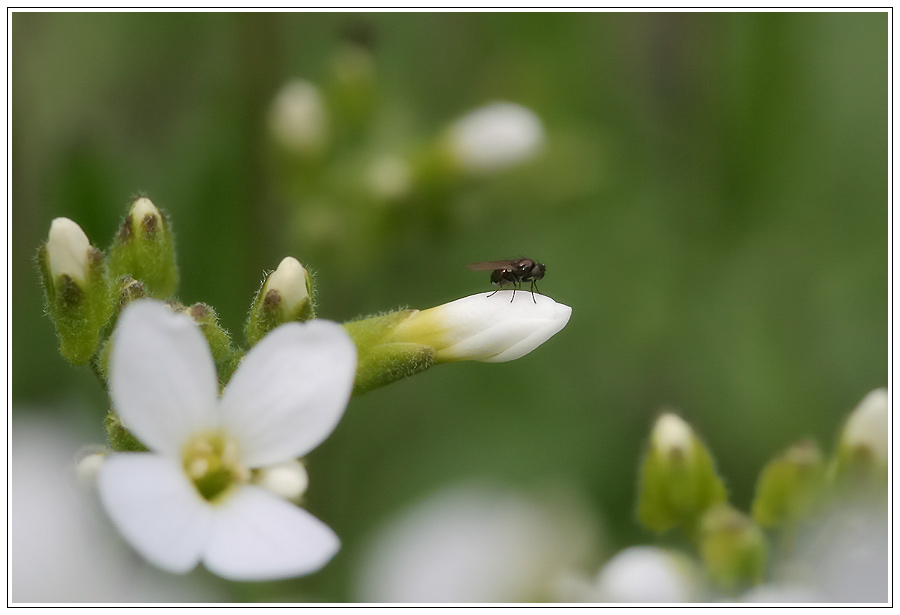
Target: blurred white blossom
(298, 119)
(867, 428)
(646, 574)
(474, 543)
(389, 178)
(190, 499)
(844, 556)
(62, 549)
(495, 136)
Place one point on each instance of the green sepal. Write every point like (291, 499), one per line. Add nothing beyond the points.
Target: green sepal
(126, 291)
(79, 310)
(381, 361)
(268, 311)
(120, 439)
(675, 491)
(790, 485)
(733, 547)
(145, 250)
(225, 355)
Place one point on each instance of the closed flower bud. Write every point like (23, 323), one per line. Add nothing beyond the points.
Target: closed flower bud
(287, 480)
(494, 137)
(68, 250)
(733, 548)
(389, 178)
(678, 478)
(476, 328)
(485, 327)
(88, 466)
(76, 285)
(789, 485)
(298, 120)
(863, 446)
(144, 249)
(286, 296)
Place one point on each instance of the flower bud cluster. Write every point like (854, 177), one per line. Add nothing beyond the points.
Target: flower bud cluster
(679, 487)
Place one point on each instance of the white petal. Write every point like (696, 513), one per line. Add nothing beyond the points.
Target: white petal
(487, 327)
(258, 536)
(672, 436)
(290, 391)
(161, 376)
(67, 249)
(156, 508)
(868, 425)
(290, 282)
(646, 574)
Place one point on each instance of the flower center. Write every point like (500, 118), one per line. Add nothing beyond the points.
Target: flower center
(212, 462)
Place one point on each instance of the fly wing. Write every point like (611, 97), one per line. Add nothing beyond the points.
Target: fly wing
(490, 265)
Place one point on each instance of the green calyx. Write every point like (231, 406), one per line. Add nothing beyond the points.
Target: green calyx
(789, 485)
(144, 249)
(273, 307)
(380, 360)
(78, 308)
(733, 547)
(677, 487)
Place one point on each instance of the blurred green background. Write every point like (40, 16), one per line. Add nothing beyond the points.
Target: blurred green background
(711, 201)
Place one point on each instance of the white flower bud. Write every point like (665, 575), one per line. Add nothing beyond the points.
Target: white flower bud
(67, 249)
(389, 178)
(867, 427)
(287, 480)
(298, 119)
(486, 327)
(495, 136)
(88, 467)
(646, 574)
(289, 280)
(672, 436)
(141, 208)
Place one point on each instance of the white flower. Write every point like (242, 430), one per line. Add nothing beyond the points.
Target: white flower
(290, 281)
(190, 500)
(67, 249)
(298, 119)
(486, 327)
(475, 543)
(867, 428)
(496, 136)
(645, 574)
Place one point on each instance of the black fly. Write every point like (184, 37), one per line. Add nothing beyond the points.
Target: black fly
(512, 272)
